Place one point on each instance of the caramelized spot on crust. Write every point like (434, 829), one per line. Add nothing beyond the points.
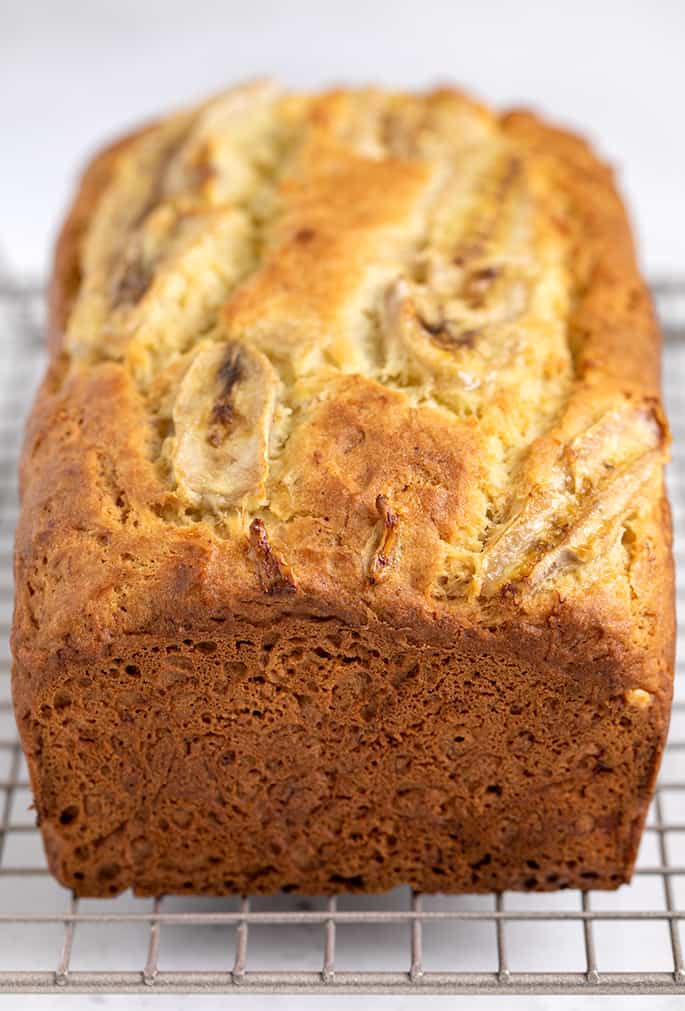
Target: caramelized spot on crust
(477, 284)
(383, 556)
(275, 577)
(129, 287)
(450, 336)
(229, 374)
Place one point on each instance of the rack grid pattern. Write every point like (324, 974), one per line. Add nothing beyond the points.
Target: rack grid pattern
(625, 942)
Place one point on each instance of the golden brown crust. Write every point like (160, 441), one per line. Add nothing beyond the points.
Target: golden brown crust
(443, 427)
(613, 301)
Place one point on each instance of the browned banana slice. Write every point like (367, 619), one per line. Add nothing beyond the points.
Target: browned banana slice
(583, 495)
(589, 533)
(231, 145)
(424, 350)
(222, 418)
(175, 231)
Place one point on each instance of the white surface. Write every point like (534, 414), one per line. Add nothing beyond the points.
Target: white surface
(74, 72)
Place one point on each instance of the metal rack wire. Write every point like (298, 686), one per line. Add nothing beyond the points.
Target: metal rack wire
(625, 942)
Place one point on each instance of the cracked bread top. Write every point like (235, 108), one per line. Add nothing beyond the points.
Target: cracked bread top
(378, 353)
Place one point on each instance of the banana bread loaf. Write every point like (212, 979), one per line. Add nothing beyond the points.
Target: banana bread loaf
(344, 557)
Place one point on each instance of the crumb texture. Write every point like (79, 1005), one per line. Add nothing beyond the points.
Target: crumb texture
(344, 556)
(324, 759)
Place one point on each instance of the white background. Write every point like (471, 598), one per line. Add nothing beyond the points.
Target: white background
(73, 73)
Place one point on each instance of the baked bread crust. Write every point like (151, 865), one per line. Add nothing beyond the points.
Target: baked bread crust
(344, 556)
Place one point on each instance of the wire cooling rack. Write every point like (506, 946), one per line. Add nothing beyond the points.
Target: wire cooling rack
(623, 942)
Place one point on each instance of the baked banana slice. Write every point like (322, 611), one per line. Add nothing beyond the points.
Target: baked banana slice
(222, 419)
(572, 516)
(481, 308)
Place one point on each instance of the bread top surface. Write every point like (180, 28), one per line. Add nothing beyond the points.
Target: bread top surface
(388, 353)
